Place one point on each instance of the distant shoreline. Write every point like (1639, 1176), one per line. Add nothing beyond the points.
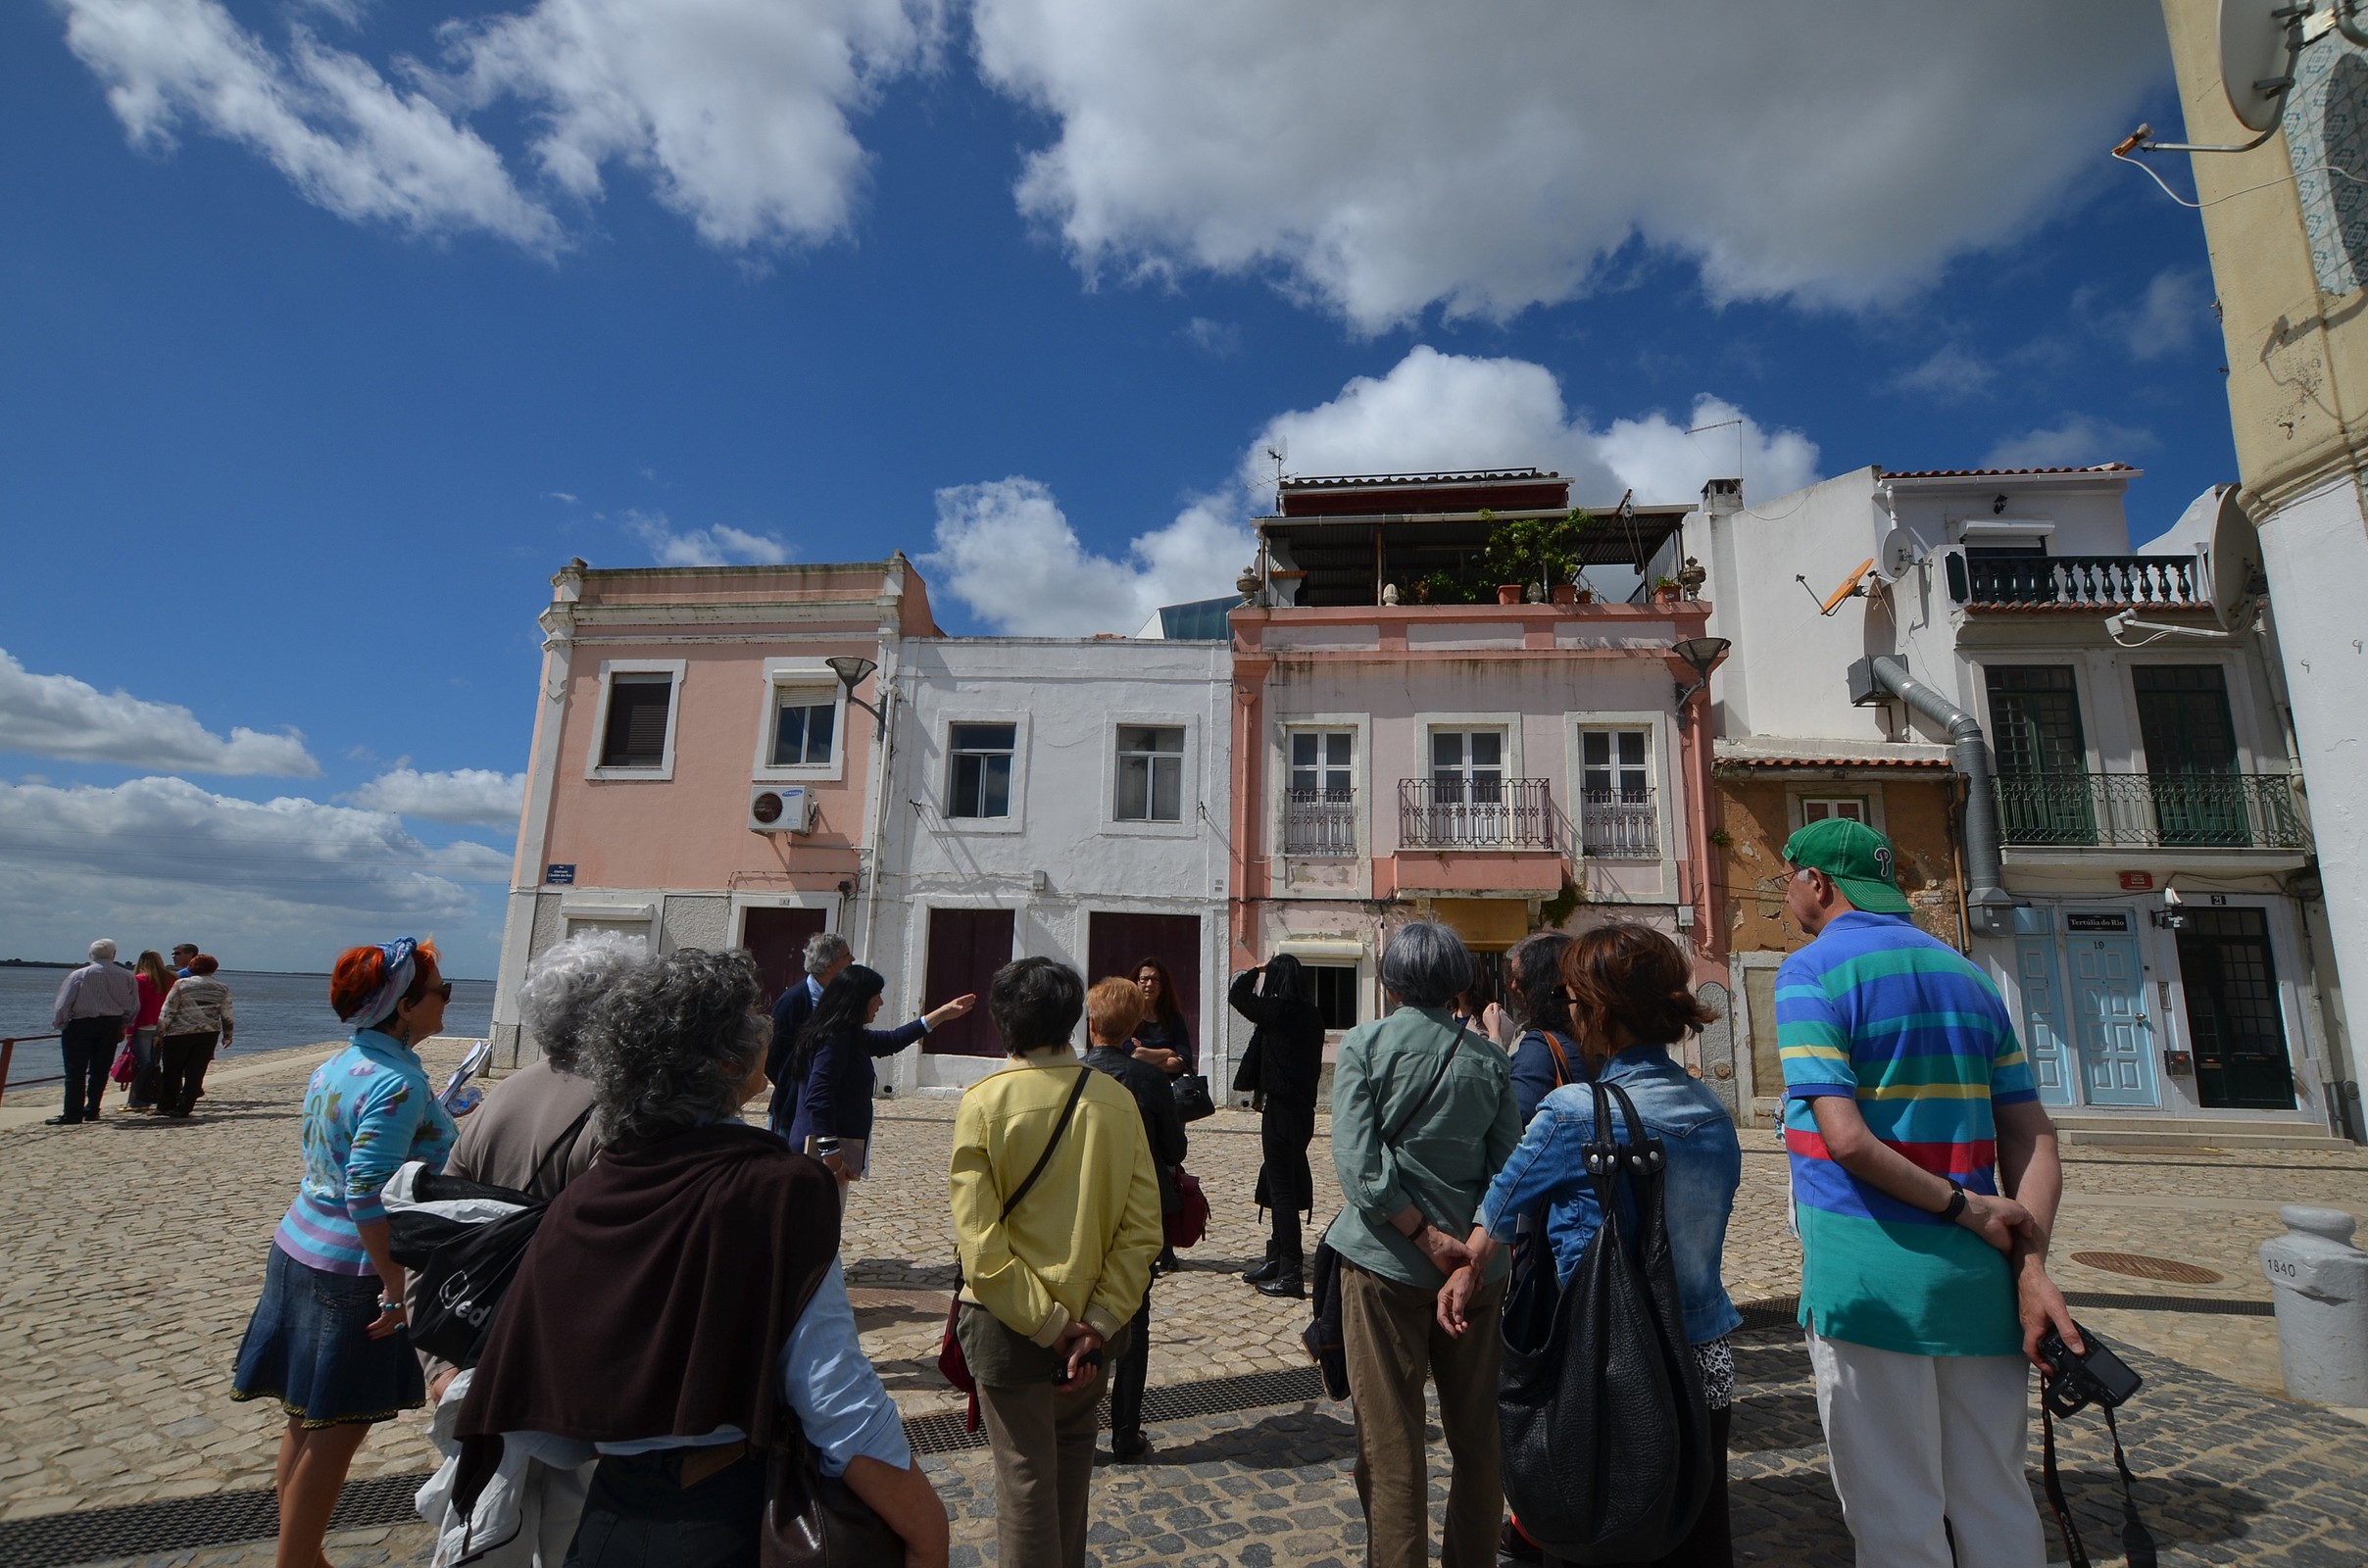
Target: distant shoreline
(290, 974)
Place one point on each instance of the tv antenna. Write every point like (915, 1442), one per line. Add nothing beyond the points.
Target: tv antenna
(1721, 425)
(1276, 451)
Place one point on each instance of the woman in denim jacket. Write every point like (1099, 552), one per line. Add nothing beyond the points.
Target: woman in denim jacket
(1631, 1000)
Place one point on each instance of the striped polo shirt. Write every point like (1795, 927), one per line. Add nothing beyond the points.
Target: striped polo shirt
(366, 1111)
(1877, 1010)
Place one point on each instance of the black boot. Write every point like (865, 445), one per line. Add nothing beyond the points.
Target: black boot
(1266, 1270)
(1288, 1280)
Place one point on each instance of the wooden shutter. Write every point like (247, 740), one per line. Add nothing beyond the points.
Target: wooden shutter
(637, 722)
(965, 949)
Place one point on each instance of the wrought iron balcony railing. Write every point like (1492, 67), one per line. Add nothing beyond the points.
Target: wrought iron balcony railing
(1319, 822)
(1454, 812)
(1619, 824)
(2106, 581)
(2150, 811)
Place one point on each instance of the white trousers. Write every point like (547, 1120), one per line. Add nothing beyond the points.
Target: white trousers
(1919, 1439)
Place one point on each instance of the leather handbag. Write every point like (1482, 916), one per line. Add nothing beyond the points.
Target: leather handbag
(953, 1362)
(1190, 1222)
(1606, 1441)
(816, 1520)
(1192, 1101)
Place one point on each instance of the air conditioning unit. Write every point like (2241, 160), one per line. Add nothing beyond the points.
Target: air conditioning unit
(780, 808)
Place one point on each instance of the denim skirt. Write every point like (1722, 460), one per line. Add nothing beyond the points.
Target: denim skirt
(308, 1346)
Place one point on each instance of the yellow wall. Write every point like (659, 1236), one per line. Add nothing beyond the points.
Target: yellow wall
(1753, 816)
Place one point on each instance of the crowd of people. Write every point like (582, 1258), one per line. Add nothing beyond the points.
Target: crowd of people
(693, 1260)
(152, 1027)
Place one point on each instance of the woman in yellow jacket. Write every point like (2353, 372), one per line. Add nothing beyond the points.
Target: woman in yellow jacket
(1050, 1281)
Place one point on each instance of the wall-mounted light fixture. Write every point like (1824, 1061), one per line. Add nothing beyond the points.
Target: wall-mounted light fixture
(851, 669)
(1702, 655)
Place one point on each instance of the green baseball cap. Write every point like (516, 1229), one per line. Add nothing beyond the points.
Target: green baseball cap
(1856, 857)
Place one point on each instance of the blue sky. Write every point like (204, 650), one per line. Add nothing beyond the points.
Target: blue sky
(339, 327)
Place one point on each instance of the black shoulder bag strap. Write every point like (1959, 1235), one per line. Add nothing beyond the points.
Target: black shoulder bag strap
(549, 1174)
(1059, 1128)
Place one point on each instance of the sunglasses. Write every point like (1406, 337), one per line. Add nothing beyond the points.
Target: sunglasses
(441, 991)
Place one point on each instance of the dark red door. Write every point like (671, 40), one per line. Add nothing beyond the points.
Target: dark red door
(776, 940)
(1116, 941)
(965, 949)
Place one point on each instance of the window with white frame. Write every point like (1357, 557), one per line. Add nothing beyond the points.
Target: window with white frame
(978, 782)
(1319, 805)
(1616, 816)
(1151, 773)
(1826, 808)
(640, 702)
(806, 723)
(1467, 766)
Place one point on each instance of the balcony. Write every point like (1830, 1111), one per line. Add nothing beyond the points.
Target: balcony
(2145, 811)
(2102, 582)
(1618, 825)
(1475, 813)
(1319, 824)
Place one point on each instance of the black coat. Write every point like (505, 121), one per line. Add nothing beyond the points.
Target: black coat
(1162, 1124)
(1286, 1053)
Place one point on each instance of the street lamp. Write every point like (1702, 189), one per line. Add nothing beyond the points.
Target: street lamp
(1702, 655)
(851, 669)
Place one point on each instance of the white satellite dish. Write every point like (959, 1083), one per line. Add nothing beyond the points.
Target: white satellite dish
(2235, 559)
(1898, 554)
(2257, 51)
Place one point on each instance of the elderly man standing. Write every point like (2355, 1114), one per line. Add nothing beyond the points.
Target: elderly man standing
(1423, 1117)
(95, 1008)
(826, 954)
(1919, 1281)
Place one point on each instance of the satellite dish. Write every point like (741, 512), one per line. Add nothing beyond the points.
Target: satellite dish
(1849, 586)
(2255, 48)
(2236, 556)
(1900, 552)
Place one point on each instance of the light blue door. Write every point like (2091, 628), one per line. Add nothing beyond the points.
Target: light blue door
(2116, 1039)
(2042, 1020)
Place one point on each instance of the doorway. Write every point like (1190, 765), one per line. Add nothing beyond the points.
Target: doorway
(2108, 1000)
(1116, 941)
(2232, 1010)
(2043, 999)
(965, 949)
(776, 940)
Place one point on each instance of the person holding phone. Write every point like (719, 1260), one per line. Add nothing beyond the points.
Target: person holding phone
(1051, 1281)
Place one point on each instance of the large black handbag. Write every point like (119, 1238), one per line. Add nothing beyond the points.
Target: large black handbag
(1607, 1453)
(816, 1520)
(1193, 1101)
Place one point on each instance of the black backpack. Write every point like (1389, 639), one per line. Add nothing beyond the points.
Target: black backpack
(462, 1242)
(1606, 1439)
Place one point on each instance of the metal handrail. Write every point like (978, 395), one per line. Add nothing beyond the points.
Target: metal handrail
(1477, 813)
(1619, 824)
(8, 1054)
(1319, 822)
(2150, 811)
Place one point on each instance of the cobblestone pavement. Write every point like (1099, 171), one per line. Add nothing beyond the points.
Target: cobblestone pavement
(134, 1248)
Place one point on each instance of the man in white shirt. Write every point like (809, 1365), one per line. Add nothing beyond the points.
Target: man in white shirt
(95, 1008)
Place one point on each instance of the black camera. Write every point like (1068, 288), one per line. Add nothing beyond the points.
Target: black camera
(2076, 1382)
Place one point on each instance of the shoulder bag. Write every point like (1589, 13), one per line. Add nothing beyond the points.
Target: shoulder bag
(1606, 1441)
(1190, 1222)
(1193, 1099)
(816, 1520)
(1322, 1337)
(951, 1364)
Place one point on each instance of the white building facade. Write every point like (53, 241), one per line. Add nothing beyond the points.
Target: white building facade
(2160, 931)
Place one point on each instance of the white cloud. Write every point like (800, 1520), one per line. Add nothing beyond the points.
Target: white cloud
(2159, 322)
(1220, 339)
(284, 883)
(1448, 410)
(2077, 442)
(348, 140)
(477, 796)
(60, 716)
(1007, 552)
(1385, 155)
(720, 546)
(735, 109)
(1952, 374)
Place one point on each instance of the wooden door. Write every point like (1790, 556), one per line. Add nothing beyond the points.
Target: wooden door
(2116, 1039)
(2043, 999)
(965, 949)
(1116, 941)
(776, 940)
(2232, 1010)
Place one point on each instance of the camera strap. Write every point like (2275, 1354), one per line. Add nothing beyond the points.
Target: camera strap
(2136, 1542)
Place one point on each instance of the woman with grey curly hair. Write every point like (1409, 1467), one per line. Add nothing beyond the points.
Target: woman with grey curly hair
(695, 1268)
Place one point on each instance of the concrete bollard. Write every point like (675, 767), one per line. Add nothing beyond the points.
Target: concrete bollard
(2321, 1284)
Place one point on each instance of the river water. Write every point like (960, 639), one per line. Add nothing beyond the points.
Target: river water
(274, 1012)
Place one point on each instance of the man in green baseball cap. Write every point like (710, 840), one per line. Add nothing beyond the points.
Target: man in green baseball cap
(1854, 857)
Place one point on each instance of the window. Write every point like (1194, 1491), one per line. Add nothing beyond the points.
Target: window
(1335, 989)
(1151, 773)
(636, 732)
(980, 784)
(1467, 766)
(1617, 817)
(2042, 758)
(805, 726)
(1822, 807)
(1321, 765)
(2191, 754)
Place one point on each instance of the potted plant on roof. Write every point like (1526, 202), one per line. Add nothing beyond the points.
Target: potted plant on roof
(1545, 551)
(1664, 590)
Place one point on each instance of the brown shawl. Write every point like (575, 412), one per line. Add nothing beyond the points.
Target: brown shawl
(656, 1296)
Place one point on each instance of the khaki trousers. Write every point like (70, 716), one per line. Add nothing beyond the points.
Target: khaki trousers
(1393, 1343)
(1043, 1441)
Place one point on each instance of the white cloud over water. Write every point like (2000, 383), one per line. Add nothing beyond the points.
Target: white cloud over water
(480, 797)
(70, 719)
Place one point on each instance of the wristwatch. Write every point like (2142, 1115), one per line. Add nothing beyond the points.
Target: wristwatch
(1956, 1202)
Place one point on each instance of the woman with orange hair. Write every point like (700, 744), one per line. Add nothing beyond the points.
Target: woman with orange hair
(327, 1337)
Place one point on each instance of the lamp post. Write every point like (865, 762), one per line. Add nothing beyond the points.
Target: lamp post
(851, 669)
(1702, 655)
